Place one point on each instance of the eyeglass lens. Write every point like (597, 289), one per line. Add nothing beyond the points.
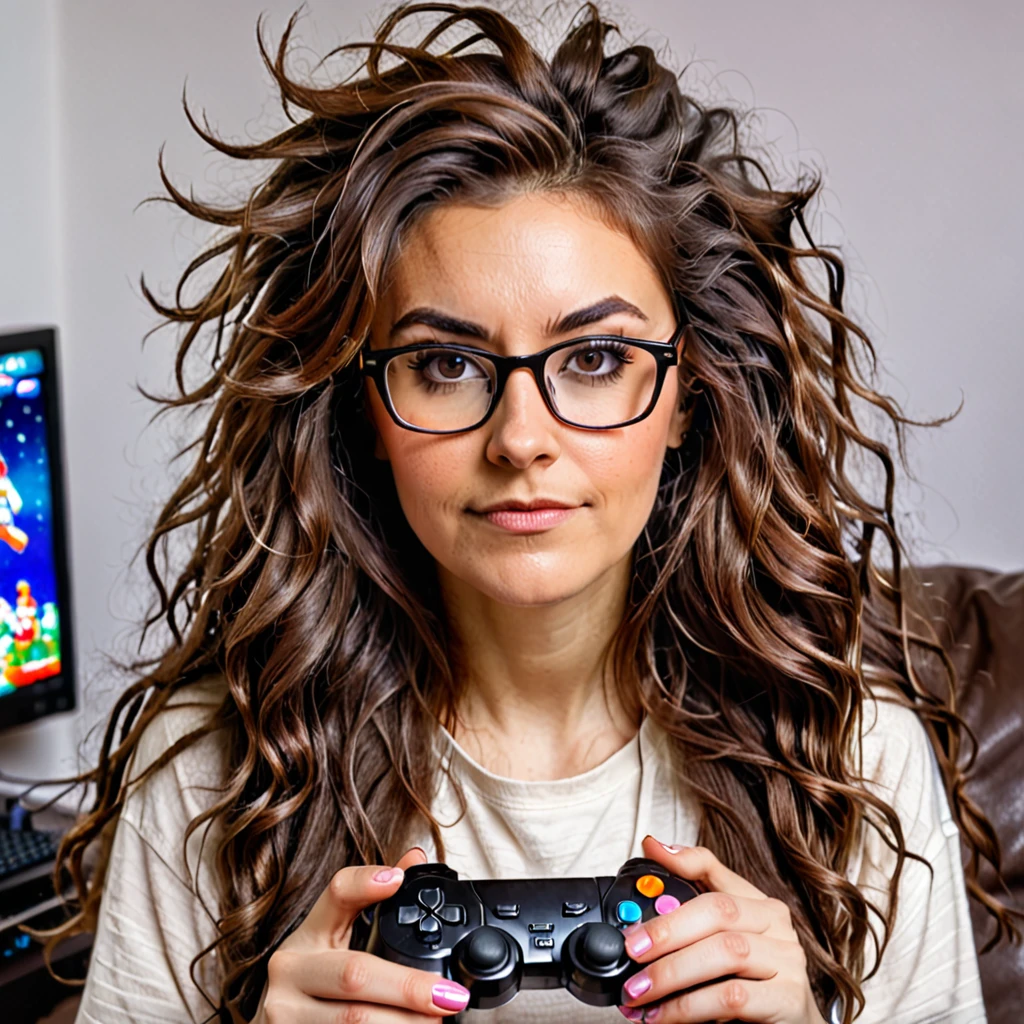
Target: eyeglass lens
(599, 383)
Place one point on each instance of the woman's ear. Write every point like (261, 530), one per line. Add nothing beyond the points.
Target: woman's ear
(379, 451)
(682, 417)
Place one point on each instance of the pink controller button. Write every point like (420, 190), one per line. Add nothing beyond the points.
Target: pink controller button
(665, 904)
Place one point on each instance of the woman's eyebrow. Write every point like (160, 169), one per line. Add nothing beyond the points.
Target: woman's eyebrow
(467, 329)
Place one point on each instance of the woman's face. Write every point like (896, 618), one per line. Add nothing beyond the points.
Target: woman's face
(515, 272)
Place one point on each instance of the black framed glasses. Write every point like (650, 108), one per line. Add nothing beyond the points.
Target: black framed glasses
(597, 382)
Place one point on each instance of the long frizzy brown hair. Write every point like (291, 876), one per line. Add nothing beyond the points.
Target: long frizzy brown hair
(757, 620)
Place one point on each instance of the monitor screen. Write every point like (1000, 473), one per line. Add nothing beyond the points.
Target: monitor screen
(34, 666)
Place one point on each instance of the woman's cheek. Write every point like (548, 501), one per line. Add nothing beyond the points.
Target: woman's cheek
(627, 474)
(431, 481)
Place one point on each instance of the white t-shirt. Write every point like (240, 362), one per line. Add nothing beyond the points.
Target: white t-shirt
(154, 917)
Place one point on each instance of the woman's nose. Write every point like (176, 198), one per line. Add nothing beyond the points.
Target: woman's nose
(522, 427)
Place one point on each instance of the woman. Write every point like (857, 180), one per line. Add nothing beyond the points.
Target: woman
(524, 540)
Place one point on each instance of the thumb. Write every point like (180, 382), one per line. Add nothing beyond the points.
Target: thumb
(698, 864)
(347, 893)
(417, 855)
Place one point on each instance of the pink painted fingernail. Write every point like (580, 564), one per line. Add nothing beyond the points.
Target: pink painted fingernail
(638, 942)
(388, 875)
(644, 1013)
(667, 846)
(449, 995)
(637, 985)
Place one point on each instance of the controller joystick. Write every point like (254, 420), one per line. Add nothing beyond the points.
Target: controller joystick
(596, 964)
(497, 937)
(602, 947)
(486, 951)
(487, 962)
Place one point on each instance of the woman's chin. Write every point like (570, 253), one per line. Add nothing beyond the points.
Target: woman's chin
(530, 597)
(535, 584)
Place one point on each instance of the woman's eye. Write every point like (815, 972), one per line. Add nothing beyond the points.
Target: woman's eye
(594, 361)
(449, 367)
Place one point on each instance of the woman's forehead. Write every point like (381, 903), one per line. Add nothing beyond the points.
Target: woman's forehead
(526, 264)
(522, 233)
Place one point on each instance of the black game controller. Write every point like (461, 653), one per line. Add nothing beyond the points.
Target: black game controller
(497, 937)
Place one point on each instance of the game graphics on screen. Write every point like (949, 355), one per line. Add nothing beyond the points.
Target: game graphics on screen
(29, 618)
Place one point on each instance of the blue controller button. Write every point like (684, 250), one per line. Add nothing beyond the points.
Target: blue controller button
(628, 912)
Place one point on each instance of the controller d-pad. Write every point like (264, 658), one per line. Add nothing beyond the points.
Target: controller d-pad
(409, 915)
(429, 929)
(430, 899)
(430, 912)
(452, 913)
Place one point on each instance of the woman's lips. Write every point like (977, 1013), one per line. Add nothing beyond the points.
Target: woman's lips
(532, 520)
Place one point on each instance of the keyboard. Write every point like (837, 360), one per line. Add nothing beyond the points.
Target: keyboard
(24, 849)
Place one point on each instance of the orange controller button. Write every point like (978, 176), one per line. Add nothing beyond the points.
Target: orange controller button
(650, 885)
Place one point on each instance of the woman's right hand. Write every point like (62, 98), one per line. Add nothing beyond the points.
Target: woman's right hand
(314, 978)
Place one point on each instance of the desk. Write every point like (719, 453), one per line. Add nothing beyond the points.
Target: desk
(28, 992)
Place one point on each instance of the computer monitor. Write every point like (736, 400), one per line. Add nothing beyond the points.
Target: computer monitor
(36, 650)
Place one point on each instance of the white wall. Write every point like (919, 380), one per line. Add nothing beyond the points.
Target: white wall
(31, 262)
(912, 109)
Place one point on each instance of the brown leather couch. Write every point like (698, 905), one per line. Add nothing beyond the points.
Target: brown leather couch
(978, 615)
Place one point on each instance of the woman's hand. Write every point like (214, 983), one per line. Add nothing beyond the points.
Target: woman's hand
(314, 978)
(731, 932)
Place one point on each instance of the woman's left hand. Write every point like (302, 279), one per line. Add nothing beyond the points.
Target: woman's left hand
(732, 932)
